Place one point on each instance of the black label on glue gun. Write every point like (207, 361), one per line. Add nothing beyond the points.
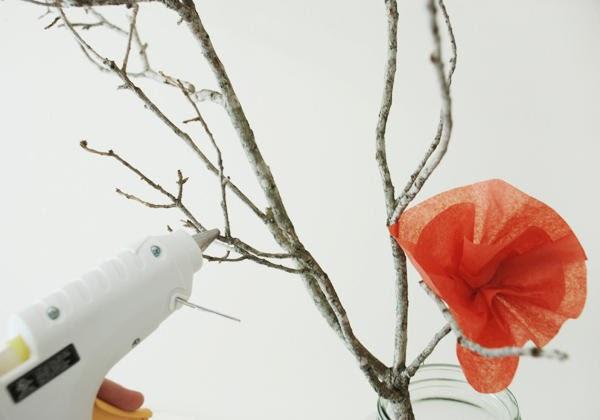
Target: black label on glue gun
(43, 373)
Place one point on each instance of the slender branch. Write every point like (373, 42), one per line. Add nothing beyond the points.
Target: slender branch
(386, 103)
(143, 177)
(236, 243)
(180, 182)
(176, 201)
(134, 14)
(438, 135)
(414, 366)
(152, 106)
(93, 60)
(401, 328)
(225, 259)
(84, 26)
(222, 178)
(111, 65)
(452, 38)
(487, 351)
(446, 119)
(147, 72)
(257, 260)
(369, 364)
(401, 281)
(187, 139)
(144, 202)
(143, 53)
(234, 109)
(51, 24)
(59, 4)
(103, 21)
(42, 3)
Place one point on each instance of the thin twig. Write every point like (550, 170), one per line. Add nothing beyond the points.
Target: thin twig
(180, 182)
(176, 201)
(223, 180)
(414, 366)
(399, 259)
(147, 72)
(111, 153)
(436, 58)
(257, 260)
(452, 39)
(59, 4)
(225, 259)
(145, 202)
(103, 21)
(111, 65)
(152, 106)
(438, 135)
(401, 327)
(386, 103)
(134, 14)
(236, 243)
(51, 24)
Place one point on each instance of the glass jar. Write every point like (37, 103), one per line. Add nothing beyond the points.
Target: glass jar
(441, 392)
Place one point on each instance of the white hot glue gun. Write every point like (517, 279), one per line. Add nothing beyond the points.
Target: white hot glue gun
(55, 361)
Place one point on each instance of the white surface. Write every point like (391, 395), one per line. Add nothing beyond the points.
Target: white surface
(309, 75)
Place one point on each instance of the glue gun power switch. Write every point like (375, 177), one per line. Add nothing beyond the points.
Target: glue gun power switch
(61, 348)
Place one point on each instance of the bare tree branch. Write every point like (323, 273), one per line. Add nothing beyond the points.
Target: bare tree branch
(51, 24)
(147, 71)
(87, 3)
(144, 202)
(401, 328)
(112, 154)
(386, 103)
(177, 201)
(223, 180)
(446, 124)
(180, 182)
(438, 135)
(416, 364)
(132, 27)
(399, 259)
(236, 243)
(152, 107)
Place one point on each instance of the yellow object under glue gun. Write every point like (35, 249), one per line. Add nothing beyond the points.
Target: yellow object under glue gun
(56, 360)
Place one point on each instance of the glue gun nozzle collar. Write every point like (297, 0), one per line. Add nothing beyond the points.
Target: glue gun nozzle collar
(204, 239)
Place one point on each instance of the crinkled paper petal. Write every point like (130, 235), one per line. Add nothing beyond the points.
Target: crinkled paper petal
(486, 375)
(507, 265)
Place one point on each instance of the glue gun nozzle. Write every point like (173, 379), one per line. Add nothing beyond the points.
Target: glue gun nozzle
(204, 239)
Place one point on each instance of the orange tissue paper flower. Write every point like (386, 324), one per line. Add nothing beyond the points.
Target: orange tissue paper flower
(508, 267)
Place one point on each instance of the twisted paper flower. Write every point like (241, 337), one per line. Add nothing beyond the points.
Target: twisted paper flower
(508, 266)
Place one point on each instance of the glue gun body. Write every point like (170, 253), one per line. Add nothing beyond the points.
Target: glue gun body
(62, 347)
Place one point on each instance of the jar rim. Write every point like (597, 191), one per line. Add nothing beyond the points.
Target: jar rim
(435, 372)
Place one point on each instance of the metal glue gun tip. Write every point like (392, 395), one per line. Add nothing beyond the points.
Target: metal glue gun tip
(204, 239)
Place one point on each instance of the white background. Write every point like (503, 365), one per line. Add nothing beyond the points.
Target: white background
(309, 75)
